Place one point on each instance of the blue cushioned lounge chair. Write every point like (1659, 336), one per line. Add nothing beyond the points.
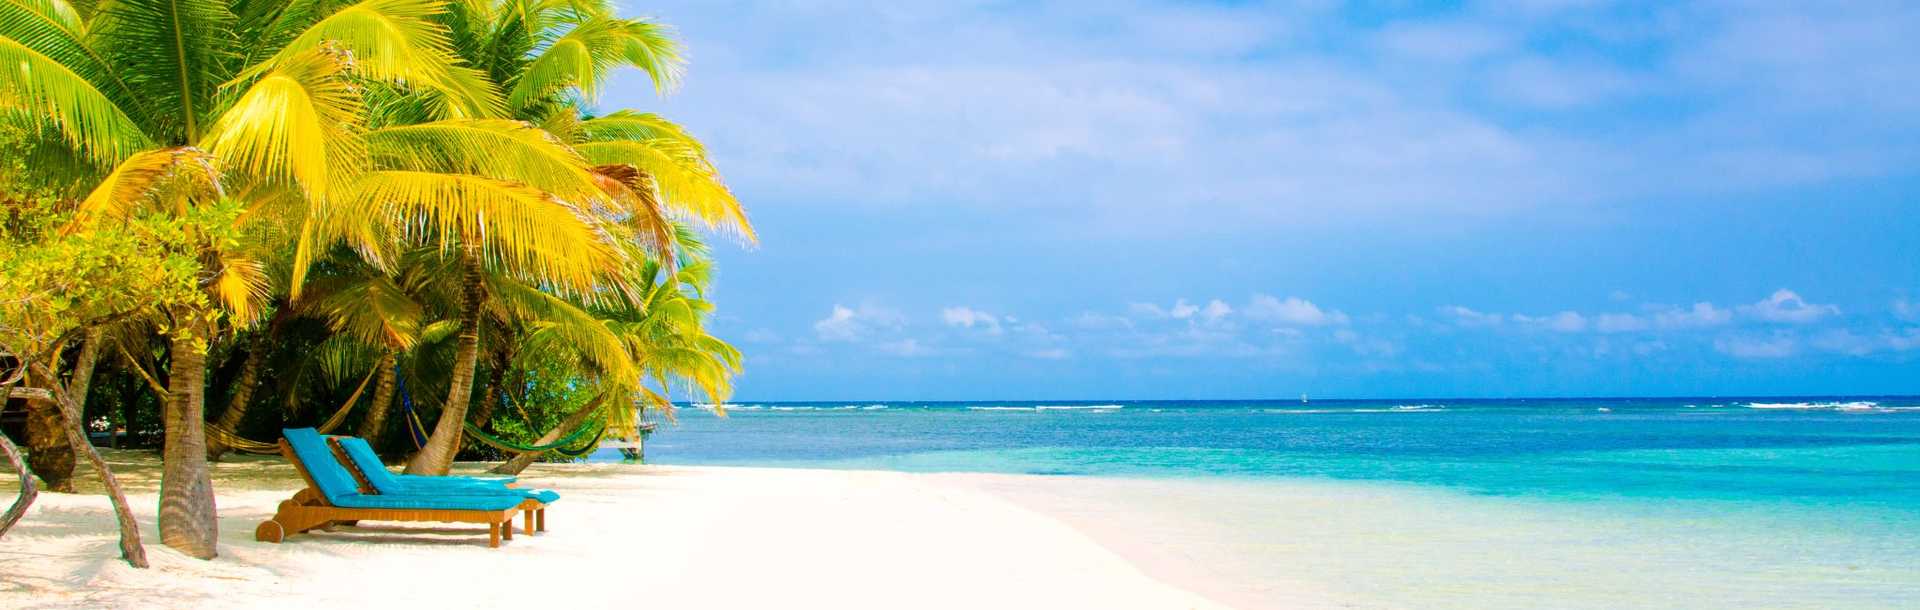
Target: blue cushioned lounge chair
(333, 497)
(361, 458)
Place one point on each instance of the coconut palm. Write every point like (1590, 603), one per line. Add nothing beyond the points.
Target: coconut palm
(235, 116)
(657, 336)
(552, 57)
(261, 127)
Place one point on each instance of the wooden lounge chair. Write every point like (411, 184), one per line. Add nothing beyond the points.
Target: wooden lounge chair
(333, 498)
(359, 456)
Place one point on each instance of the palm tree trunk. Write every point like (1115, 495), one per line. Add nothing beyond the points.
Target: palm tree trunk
(187, 512)
(51, 455)
(375, 423)
(573, 422)
(437, 457)
(496, 375)
(49, 450)
(242, 395)
(130, 548)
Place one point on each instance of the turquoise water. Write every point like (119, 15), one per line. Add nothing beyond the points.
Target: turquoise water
(1846, 450)
(1566, 503)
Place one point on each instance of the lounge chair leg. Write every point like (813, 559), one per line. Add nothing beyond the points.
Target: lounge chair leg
(493, 535)
(270, 531)
(506, 529)
(541, 518)
(529, 528)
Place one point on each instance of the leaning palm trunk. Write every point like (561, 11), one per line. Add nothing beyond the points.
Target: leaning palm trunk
(82, 379)
(496, 377)
(49, 452)
(52, 456)
(375, 424)
(437, 457)
(573, 422)
(130, 548)
(187, 517)
(242, 395)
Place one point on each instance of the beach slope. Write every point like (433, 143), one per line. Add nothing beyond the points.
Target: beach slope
(669, 537)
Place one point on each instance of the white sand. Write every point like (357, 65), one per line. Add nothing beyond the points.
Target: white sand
(666, 537)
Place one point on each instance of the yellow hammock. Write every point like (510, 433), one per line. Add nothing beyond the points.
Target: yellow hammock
(237, 443)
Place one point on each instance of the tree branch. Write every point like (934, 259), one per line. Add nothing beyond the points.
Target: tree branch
(135, 364)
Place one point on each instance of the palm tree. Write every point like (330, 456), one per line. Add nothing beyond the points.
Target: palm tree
(552, 57)
(658, 336)
(236, 116)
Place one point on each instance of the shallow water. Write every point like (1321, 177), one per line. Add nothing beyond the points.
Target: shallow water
(1683, 503)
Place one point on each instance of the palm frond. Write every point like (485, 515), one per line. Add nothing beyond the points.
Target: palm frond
(522, 230)
(373, 311)
(398, 41)
(641, 211)
(85, 117)
(689, 185)
(241, 286)
(557, 326)
(584, 57)
(181, 51)
(55, 29)
(493, 148)
(297, 125)
(136, 180)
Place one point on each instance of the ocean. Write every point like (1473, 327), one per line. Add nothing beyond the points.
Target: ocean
(1591, 502)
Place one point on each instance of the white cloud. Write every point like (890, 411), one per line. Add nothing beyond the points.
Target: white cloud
(1905, 309)
(1294, 311)
(1443, 42)
(1366, 346)
(1757, 348)
(969, 317)
(1470, 318)
(1098, 321)
(848, 324)
(1843, 341)
(1619, 323)
(1563, 322)
(1265, 113)
(904, 347)
(838, 326)
(1700, 315)
(1215, 310)
(1904, 342)
(1785, 306)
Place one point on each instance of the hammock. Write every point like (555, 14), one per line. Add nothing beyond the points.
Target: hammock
(418, 432)
(586, 449)
(415, 431)
(238, 443)
(556, 446)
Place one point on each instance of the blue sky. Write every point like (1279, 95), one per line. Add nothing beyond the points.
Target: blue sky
(1120, 199)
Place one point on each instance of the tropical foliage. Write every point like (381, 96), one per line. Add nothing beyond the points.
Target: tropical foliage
(407, 215)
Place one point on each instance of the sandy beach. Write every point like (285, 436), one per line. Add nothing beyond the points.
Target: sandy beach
(670, 537)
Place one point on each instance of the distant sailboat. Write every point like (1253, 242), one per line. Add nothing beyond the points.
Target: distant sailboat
(1303, 398)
